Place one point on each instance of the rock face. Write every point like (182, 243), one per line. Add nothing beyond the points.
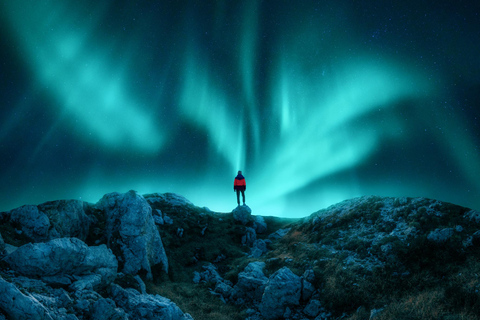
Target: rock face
(51, 273)
(132, 234)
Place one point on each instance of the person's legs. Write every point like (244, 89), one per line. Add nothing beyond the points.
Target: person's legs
(238, 197)
(243, 196)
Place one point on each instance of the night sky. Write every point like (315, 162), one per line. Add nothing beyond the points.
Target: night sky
(315, 101)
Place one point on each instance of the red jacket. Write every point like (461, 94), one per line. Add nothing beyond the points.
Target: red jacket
(239, 183)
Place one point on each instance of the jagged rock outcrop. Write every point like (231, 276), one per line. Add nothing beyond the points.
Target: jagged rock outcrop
(132, 234)
(66, 261)
(51, 273)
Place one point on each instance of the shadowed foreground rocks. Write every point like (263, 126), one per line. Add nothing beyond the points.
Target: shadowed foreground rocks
(364, 258)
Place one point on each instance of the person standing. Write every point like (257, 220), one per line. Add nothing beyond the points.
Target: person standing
(239, 185)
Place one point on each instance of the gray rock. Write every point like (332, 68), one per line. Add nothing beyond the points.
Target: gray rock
(283, 290)
(141, 284)
(34, 223)
(19, 306)
(167, 219)
(307, 290)
(472, 215)
(279, 234)
(309, 275)
(259, 247)
(440, 235)
(67, 218)
(223, 289)
(196, 277)
(51, 220)
(146, 306)
(64, 257)
(105, 309)
(132, 234)
(210, 275)
(251, 283)
(375, 313)
(313, 308)
(171, 199)
(249, 238)
(259, 224)
(242, 214)
(158, 217)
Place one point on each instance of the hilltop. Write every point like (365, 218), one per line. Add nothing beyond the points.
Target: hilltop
(158, 256)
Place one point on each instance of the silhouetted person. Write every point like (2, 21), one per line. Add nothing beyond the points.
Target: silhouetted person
(239, 185)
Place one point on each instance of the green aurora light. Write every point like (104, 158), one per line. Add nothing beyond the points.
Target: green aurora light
(305, 107)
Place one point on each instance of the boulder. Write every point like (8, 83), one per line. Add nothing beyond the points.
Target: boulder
(19, 306)
(251, 283)
(279, 234)
(313, 308)
(33, 223)
(259, 224)
(224, 289)
(68, 218)
(249, 238)
(146, 306)
(170, 199)
(51, 220)
(59, 260)
(210, 275)
(282, 290)
(242, 214)
(259, 247)
(131, 233)
(105, 309)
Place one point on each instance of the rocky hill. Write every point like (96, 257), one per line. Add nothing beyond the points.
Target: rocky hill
(158, 256)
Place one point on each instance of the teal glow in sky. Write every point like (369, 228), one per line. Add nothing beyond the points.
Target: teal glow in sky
(315, 103)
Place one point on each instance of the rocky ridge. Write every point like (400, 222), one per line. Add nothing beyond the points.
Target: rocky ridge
(158, 256)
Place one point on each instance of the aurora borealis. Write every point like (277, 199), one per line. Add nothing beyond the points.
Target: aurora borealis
(315, 101)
